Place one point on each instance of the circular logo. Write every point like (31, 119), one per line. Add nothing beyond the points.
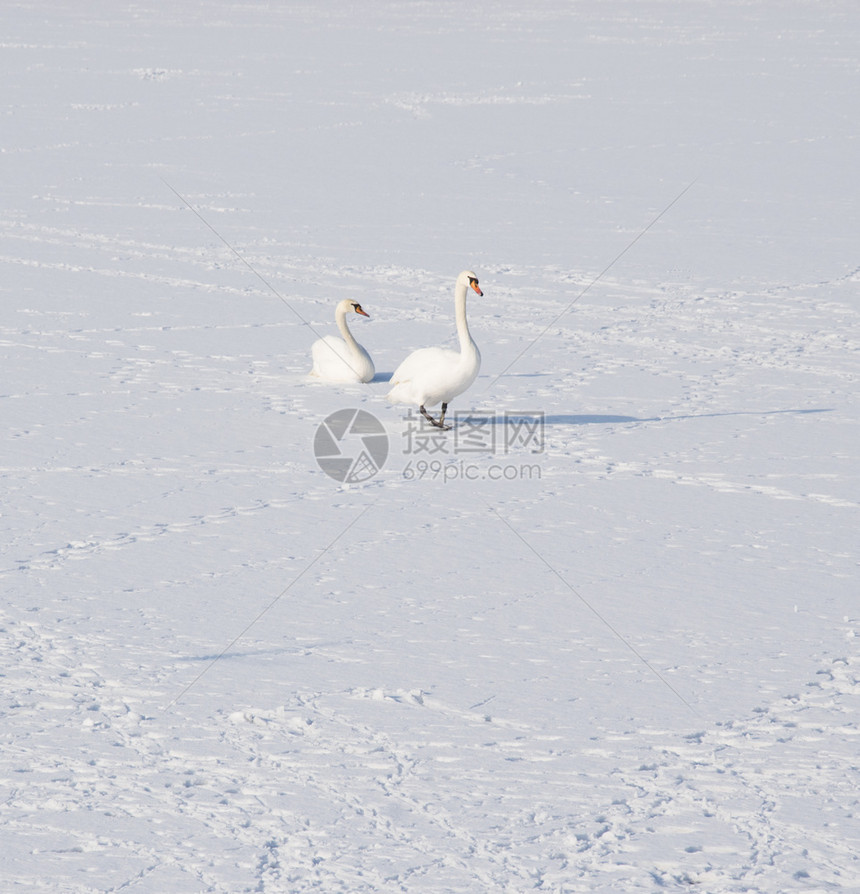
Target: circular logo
(351, 446)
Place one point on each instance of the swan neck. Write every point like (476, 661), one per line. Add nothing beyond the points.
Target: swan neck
(340, 319)
(466, 342)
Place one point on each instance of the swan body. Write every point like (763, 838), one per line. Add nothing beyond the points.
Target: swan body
(430, 376)
(342, 359)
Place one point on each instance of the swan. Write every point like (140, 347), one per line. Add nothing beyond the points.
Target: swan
(342, 359)
(429, 376)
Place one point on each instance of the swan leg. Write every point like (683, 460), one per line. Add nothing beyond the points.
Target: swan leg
(442, 417)
(429, 418)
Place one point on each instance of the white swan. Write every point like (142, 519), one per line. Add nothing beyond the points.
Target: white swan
(432, 375)
(342, 359)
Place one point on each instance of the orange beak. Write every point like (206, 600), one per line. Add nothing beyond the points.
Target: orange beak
(474, 285)
(358, 310)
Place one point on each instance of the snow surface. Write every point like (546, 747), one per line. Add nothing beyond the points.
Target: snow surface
(619, 655)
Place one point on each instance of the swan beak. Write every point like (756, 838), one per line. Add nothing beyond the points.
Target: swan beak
(358, 310)
(474, 284)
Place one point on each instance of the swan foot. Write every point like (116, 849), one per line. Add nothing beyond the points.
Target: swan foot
(440, 423)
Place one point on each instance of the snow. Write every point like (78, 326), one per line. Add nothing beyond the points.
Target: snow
(603, 635)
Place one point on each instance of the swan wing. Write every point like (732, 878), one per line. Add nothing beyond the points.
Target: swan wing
(430, 376)
(334, 362)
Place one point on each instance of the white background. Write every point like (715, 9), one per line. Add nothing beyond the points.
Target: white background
(635, 671)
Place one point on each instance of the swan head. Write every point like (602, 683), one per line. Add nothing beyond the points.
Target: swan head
(467, 278)
(347, 306)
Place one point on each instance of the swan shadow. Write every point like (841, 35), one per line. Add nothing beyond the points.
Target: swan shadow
(240, 654)
(564, 419)
(233, 655)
